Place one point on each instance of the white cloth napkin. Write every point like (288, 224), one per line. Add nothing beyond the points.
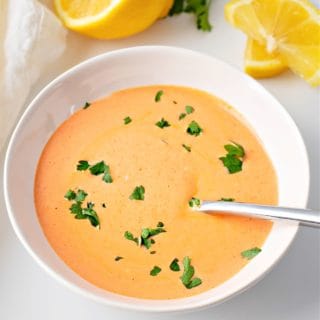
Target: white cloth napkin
(31, 38)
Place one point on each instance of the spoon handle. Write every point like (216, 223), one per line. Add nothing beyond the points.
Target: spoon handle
(305, 217)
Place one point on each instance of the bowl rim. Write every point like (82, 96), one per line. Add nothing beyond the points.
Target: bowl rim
(131, 305)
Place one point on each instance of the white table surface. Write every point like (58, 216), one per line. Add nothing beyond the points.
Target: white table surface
(291, 291)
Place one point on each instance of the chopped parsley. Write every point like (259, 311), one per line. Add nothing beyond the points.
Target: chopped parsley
(234, 158)
(160, 224)
(187, 147)
(155, 271)
(194, 202)
(145, 239)
(86, 105)
(188, 273)
(200, 8)
(83, 165)
(70, 195)
(96, 169)
(129, 236)
(138, 193)
(153, 252)
(251, 253)
(104, 205)
(189, 109)
(163, 123)
(117, 258)
(158, 96)
(127, 120)
(227, 199)
(174, 266)
(82, 212)
(194, 129)
(80, 195)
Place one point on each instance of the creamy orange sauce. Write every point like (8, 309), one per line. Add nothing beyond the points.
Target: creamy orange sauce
(140, 153)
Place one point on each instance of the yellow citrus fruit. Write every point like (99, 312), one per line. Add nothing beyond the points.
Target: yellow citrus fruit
(110, 19)
(259, 63)
(290, 28)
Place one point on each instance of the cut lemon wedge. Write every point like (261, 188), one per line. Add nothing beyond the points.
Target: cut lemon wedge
(261, 64)
(110, 19)
(290, 28)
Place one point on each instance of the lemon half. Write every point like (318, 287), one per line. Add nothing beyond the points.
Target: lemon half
(110, 19)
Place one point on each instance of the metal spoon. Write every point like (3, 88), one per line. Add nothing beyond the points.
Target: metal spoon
(306, 217)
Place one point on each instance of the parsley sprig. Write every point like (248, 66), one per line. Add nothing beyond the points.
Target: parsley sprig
(96, 169)
(78, 210)
(200, 9)
(233, 160)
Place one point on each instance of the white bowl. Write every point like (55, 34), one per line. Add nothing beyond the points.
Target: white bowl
(101, 75)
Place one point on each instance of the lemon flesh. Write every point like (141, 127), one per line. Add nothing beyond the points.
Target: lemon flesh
(290, 28)
(259, 63)
(110, 19)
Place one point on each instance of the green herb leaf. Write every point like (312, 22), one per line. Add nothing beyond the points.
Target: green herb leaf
(83, 165)
(153, 252)
(227, 199)
(182, 116)
(163, 123)
(187, 147)
(86, 105)
(158, 96)
(234, 158)
(76, 208)
(188, 273)
(145, 233)
(177, 7)
(101, 168)
(78, 211)
(129, 236)
(138, 193)
(155, 271)
(235, 149)
(70, 195)
(189, 109)
(251, 253)
(127, 120)
(194, 202)
(80, 195)
(107, 177)
(117, 258)
(98, 168)
(194, 129)
(160, 224)
(91, 215)
(232, 163)
(174, 266)
(104, 205)
(200, 8)
(194, 283)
